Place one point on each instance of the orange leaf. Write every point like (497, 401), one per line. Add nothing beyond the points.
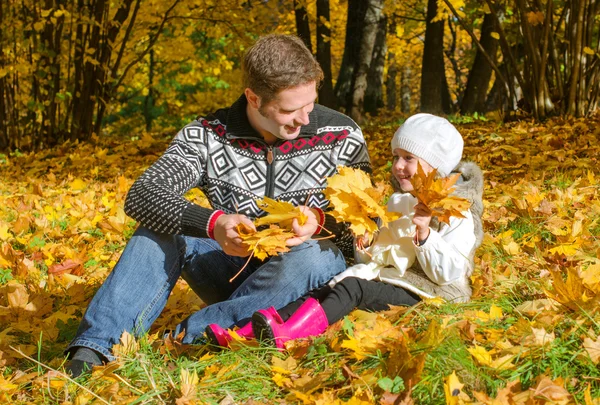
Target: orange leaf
(435, 193)
(68, 266)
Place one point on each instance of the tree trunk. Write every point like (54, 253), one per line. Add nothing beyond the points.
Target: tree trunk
(105, 72)
(3, 87)
(302, 27)
(354, 32)
(51, 69)
(374, 93)
(149, 99)
(432, 70)
(390, 82)
(481, 71)
(405, 89)
(365, 57)
(326, 95)
(577, 55)
(451, 55)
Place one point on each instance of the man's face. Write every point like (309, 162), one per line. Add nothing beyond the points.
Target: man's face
(283, 116)
(405, 167)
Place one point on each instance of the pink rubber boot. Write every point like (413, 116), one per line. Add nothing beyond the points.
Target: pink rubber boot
(308, 320)
(219, 336)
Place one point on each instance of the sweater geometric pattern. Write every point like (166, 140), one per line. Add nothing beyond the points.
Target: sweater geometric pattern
(230, 162)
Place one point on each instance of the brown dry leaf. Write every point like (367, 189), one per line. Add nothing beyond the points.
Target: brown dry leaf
(592, 347)
(286, 366)
(281, 213)
(533, 308)
(16, 295)
(128, 346)
(189, 384)
(538, 338)
(503, 397)
(68, 266)
(401, 362)
(435, 193)
(547, 391)
(356, 201)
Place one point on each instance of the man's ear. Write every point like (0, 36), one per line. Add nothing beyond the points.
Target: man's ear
(253, 98)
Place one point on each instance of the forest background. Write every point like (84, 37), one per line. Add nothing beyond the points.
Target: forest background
(93, 90)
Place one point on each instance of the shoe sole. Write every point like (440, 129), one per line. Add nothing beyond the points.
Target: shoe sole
(212, 338)
(262, 328)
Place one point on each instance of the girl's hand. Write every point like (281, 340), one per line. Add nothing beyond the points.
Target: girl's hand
(421, 219)
(362, 242)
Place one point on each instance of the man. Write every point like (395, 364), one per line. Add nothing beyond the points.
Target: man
(273, 141)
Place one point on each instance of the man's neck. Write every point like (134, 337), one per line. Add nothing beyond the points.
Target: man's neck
(254, 118)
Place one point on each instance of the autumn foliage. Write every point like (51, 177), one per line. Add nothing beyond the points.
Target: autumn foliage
(529, 336)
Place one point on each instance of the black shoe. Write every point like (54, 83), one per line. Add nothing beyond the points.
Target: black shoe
(83, 360)
(77, 367)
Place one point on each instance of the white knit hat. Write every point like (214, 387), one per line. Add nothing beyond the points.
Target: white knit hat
(431, 138)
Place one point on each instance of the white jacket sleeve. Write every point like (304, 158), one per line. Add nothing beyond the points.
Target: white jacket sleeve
(444, 257)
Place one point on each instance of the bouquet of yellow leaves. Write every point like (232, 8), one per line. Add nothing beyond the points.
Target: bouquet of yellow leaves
(356, 201)
(435, 194)
(272, 240)
(267, 242)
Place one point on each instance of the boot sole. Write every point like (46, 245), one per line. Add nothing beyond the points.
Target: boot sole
(212, 339)
(262, 328)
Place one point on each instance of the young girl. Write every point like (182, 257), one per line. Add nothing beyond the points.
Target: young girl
(413, 257)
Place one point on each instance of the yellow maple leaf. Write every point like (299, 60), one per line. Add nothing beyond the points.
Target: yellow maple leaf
(267, 242)
(356, 201)
(435, 193)
(453, 390)
(279, 212)
(591, 277)
(571, 292)
(480, 354)
(77, 185)
(4, 234)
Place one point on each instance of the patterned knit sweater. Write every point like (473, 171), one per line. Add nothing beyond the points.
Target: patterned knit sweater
(230, 162)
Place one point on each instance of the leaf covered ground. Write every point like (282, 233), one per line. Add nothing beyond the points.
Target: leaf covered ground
(531, 334)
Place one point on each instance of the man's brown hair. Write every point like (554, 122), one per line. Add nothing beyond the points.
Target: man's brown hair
(277, 62)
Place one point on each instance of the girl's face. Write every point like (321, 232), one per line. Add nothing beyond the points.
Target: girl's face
(405, 167)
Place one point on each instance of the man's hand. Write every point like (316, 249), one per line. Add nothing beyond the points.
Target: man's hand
(227, 235)
(304, 232)
(421, 219)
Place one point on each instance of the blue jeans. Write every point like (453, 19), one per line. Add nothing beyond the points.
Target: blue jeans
(136, 291)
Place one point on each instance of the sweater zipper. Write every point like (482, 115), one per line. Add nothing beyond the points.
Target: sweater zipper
(270, 158)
